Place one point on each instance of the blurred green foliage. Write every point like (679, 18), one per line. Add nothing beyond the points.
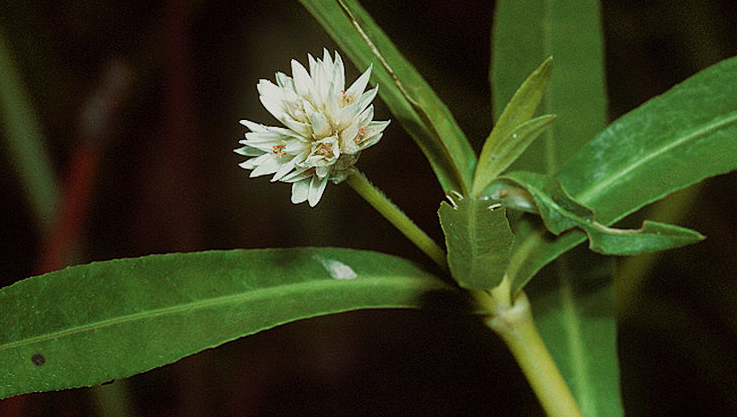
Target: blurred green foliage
(169, 182)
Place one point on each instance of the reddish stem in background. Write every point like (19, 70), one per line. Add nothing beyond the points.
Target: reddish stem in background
(72, 214)
(94, 129)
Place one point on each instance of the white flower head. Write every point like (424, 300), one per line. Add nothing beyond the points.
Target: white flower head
(326, 127)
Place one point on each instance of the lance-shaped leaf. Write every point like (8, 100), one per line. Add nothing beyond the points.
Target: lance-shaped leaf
(89, 324)
(403, 89)
(527, 32)
(574, 311)
(478, 240)
(670, 142)
(504, 152)
(576, 323)
(508, 139)
(560, 213)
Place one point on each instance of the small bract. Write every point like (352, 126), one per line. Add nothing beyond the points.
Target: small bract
(326, 127)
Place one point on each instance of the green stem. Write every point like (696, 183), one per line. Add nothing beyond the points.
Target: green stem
(514, 324)
(391, 212)
(24, 140)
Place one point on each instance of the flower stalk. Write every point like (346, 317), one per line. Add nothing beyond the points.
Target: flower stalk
(396, 217)
(513, 322)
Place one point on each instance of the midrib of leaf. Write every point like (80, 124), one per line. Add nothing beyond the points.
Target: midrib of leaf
(472, 233)
(264, 293)
(588, 193)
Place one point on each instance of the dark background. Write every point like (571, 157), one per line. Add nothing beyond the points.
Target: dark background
(173, 79)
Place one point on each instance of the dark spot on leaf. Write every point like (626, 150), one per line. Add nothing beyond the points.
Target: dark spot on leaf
(38, 359)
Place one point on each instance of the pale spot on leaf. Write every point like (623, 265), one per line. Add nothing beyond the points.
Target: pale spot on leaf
(337, 269)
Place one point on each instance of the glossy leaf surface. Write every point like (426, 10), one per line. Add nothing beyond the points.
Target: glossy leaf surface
(478, 241)
(528, 32)
(89, 324)
(672, 141)
(508, 139)
(573, 308)
(578, 329)
(560, 213)
(402, 88)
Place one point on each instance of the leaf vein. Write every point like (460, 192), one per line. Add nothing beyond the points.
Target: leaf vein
(591, 192)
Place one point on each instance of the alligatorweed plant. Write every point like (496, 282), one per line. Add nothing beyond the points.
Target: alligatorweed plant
(551, 175)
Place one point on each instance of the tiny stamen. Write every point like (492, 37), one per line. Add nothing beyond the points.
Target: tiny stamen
(362, 133)
(454, 194)
(346, 99)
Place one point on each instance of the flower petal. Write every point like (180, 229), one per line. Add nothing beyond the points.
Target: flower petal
(316, 189)
(350, 113)
(375, 130)
(249, 163)
(347, 139)
(302, 80)
(356, 89)
(366, 99)
(284, 81)
(312, 65)
(267, 164)
(297, 175)
(320, 125)
(300, 191)
(284, 169)
(253, 126)
(338, 76)
(248, 151)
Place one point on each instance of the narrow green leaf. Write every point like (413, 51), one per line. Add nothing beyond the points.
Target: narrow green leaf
(527, 32)
(678, 138)
(502, 147)
(89, 324)
(573, 309)
(560, 213)
(478, 240)
(24, 140)
(507, 151)
(575, 320)
(672, 141)
(651, 237)
(402, 88)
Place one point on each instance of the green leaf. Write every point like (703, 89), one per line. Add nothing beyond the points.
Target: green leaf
(574, 318)
(89, 324)
(573, 309)
(405, 92)
(560, 213)
(651, 237)
(679, 138)
(672, 141)
(478, 240)
(527, 32)
(508, 139)
(507, 151)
